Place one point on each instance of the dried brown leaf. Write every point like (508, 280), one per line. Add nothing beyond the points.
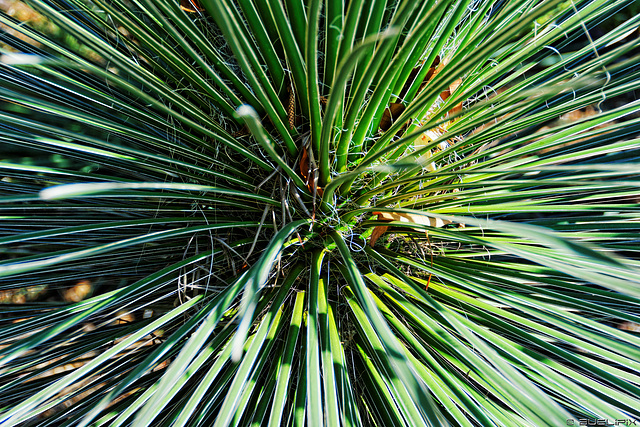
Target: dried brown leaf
(402, 217)
(391, 114)
(191, 6)
(376, 234)
(304, 165)
(411, 218)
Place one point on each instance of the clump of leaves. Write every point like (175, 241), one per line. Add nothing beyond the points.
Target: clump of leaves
(323, 212)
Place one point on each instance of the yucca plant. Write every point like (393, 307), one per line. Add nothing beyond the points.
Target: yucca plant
(343, 213)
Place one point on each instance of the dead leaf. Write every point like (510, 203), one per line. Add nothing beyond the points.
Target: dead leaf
(380, 230)
(435, 68)
(391, 114)
(78, 292)
(309, 173)
(414, 73)
(304, 164)
(377, 233)
(432, 71)
(445, 94)
(411, 218)
(123, 317)
(403, 217)
(191, 6)
(395, 109)
(452, 88)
